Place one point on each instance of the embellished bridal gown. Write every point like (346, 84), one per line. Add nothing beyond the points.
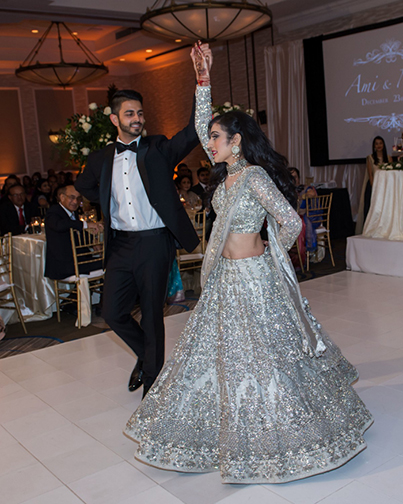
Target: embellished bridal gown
(254, 387)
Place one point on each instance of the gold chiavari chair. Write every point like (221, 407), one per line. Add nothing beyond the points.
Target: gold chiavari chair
(88, 248)
(8, 298)
(318, 211)
(194, 260)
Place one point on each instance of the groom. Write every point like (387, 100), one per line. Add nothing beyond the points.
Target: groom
(132, 179)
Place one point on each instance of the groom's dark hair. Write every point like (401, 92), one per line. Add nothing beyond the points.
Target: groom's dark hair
(124, 95)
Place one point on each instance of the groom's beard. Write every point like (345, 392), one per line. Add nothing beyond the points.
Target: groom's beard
(133, 130)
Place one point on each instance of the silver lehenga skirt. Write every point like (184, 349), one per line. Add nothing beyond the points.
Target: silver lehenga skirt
(239, 395)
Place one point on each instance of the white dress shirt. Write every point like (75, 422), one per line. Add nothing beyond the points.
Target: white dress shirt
(130, 207)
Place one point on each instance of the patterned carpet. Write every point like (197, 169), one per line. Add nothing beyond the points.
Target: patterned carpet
(49, 332)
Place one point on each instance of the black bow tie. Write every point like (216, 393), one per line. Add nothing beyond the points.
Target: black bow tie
(121, 147)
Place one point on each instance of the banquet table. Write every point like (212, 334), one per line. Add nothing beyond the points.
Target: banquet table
(35, 293)
(385, 216)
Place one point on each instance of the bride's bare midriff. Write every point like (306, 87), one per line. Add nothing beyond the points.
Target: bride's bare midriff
(241, 246)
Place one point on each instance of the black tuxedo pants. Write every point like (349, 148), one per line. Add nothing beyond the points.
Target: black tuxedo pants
(137, 271)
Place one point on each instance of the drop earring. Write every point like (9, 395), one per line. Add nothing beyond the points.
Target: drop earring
(236, 152)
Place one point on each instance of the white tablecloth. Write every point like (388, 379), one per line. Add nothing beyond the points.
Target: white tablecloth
(35, 292)
(385, 216)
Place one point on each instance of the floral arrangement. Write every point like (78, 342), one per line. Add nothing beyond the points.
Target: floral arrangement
(394, 165)
(86, 133)
(227, 107)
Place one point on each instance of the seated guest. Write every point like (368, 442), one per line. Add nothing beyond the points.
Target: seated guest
(10, 181)
(183, 169)
(42, 197)
(28, 186)
(36, 177)
(189, 199)
(16, 212)
(203, 174)
(307, 239)
(52, 179)
(58, 221)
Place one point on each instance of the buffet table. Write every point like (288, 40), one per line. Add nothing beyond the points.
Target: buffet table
(385, 216)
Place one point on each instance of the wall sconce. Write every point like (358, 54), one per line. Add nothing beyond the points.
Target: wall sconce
(55, 136)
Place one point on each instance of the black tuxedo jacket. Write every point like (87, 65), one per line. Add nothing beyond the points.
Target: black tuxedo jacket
(10, 220)
(198, 189)
(59, 253)
(156, 159)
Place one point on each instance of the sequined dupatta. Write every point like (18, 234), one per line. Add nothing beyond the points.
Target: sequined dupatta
(312, 343)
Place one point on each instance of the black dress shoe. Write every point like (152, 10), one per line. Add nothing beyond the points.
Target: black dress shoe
(146, 388)
(136, 381)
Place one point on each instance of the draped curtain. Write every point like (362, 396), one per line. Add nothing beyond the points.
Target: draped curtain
(288, 120)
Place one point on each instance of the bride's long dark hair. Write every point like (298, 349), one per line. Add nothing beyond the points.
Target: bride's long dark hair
(256, 149)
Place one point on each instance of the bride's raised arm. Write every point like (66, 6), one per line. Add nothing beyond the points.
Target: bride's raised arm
(202, 61)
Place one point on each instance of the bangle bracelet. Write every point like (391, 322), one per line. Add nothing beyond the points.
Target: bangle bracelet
(202, 82)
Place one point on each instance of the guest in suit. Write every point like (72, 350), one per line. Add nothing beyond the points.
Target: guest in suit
(133, 181)
(16, 211)
(10, 181)
(203, 174)
(58, 221)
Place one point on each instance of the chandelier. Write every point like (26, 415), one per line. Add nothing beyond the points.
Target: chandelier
(63, 73)
(207, 20)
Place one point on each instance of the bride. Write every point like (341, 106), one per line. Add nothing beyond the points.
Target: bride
(254, 387)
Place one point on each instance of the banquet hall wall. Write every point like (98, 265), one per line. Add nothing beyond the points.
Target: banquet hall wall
(168, 90)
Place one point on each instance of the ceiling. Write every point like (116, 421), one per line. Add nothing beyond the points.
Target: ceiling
(111, 29)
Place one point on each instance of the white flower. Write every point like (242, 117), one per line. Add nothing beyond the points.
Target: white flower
(85, 151)
(82, 119)
(107, 111)
(250, 112)
(86, 127)
(107, 136)
(144, 133)
(398, 165)
(216, 114)
(236, 107)
(93, 106)
(227, 104)
(88, 119)
(73, 152)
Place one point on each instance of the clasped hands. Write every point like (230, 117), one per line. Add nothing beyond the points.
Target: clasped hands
(202, 58)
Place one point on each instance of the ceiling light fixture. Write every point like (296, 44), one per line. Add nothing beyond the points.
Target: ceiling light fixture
(149, 50)
(207, 20)
(63, 73)
(34, 31)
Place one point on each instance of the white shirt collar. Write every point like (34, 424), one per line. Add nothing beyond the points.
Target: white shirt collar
(136, 140)
(68, 212)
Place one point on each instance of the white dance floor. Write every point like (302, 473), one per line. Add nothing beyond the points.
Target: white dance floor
(62, 411)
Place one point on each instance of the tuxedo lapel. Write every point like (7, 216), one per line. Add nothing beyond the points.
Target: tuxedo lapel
(141, 154)
(105, 182)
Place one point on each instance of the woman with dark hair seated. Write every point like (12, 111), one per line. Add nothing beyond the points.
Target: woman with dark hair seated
(190, 200)
(254, 387)
(41, 198)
